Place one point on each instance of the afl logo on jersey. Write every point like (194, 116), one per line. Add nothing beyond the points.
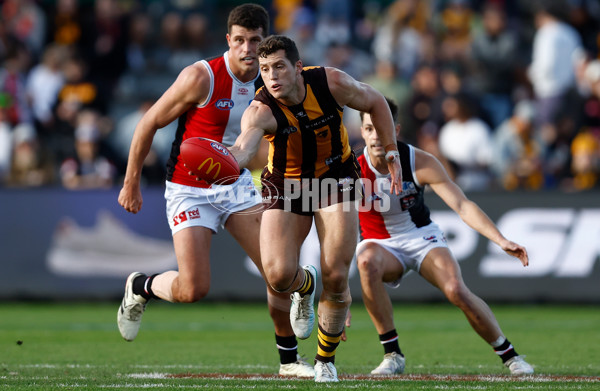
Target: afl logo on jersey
(224, 104)
(219, 148)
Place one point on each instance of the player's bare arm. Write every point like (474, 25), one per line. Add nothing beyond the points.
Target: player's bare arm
(190, 88)
(256, 122)
(429, 171)
(347, 91)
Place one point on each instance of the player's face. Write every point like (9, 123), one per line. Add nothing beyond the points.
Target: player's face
(281, 76)
(367, 130)
(242, 49)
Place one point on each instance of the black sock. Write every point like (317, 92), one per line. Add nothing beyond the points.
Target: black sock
(309, 284)
(288, 349)
(142, 286)
(389, 341)
(506, 351)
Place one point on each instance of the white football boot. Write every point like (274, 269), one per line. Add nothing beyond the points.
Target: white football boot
(392, 364)
(518, 366)
(300, 368)
(302, 311)
(325, 372)
(129, 315)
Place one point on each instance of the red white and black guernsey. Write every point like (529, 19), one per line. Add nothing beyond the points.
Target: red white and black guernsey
(218, 118)
(385, 215)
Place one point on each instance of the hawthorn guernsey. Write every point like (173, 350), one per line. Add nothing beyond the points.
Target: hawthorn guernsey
(216, 119)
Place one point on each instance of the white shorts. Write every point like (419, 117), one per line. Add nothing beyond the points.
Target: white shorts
(410, 248)
(189, 206)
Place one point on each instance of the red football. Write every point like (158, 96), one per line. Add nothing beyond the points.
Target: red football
(209, 160)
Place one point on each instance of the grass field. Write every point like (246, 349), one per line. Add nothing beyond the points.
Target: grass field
(71, 346)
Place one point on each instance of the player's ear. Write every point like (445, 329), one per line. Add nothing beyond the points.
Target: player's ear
(299, 67)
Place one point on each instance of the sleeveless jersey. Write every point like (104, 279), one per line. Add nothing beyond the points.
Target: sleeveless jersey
(311, 140)
(384, 214)
(217, 118)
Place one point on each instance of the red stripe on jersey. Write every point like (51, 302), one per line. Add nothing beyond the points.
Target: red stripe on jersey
(372, 224)
(208, 121)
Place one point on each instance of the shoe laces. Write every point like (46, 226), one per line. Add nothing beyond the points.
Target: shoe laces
(326, 370)
(303, 305)
(135, 311)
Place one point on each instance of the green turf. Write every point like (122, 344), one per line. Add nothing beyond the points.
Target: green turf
(68, 346)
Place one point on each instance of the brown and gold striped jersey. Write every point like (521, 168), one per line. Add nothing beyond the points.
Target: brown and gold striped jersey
(311, 140)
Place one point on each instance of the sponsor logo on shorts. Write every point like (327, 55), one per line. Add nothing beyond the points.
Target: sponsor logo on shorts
(185, 216)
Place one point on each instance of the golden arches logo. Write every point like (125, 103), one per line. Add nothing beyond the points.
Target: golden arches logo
(211, 165)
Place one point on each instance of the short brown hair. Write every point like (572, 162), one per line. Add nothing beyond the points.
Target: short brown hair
(250, 16)
(275, 43)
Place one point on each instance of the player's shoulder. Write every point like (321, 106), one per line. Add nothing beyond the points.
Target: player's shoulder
(259, 114)
(196, 72)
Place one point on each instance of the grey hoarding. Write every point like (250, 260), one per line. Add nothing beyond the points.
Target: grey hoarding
(61, 244)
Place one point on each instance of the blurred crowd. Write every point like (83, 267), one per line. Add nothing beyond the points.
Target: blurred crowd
(506, 93)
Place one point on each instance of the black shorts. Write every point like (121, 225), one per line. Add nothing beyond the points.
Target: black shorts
(307, 195)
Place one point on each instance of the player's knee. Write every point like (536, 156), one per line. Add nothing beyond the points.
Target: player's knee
(368, 265)
(280, 282)
(456, 292)
(335, 280)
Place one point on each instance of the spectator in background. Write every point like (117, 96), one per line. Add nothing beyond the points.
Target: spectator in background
(169, 42)
(302, 31)
(494, 56)
(556, 50)
(103, 43)
(396, 41)
(65, 23)
(31, 163)
(585, 163)
(591, 106)
(78, 93)
(13, 95)
(424, 117)
(139, 44)
(193, 33)
(333, 19)
(465, 141)
(87, 169)
(386, 80)
(5, 142)
(119, 140)
(455, 35)
(517, 160)
(348, 59)
(25, 21)
(43, 84)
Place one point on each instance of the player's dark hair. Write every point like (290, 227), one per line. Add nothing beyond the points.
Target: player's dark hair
(393, 108)
(275, 43)
(250, 16)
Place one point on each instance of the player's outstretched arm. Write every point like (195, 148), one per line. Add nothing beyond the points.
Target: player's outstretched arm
(431, 172)
(347, 91)
(191, 87)
(256, 121)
